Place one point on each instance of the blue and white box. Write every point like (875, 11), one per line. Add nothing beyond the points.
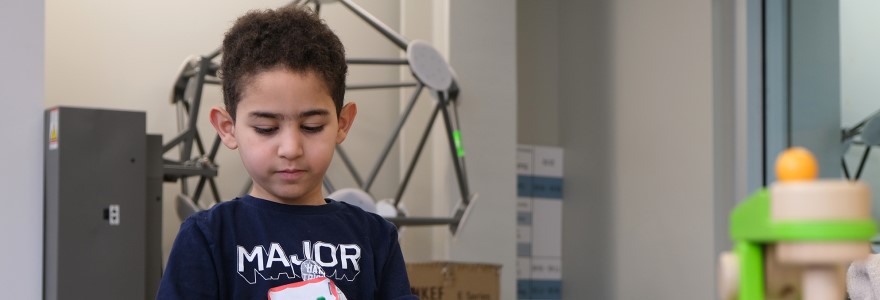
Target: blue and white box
(539, 222)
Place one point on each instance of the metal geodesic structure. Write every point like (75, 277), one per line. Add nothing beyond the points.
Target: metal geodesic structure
(431, 73)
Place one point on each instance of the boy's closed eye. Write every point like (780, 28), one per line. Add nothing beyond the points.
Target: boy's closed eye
(265, 130)
(312, 128)
(312, 121)
(307, 128)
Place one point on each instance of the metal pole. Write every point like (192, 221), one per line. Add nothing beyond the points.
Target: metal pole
(194, 111)
(214, 190)
(381, 86)
(416, 155)
(329, 185)
(350, 166)
(214, 148)
(199, 187)
(182, 109)
(862, 162)
(384, 154)
(458, 127)
(453, 151)
(199, 145)
(376, 61)
(214, 53)
(176, 140)
(421, 221)
(396, 38)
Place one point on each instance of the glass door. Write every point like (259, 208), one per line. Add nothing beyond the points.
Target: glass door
(802, 82)
(821, 67)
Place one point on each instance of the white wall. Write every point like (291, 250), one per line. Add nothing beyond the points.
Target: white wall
(859, 62)
(663, 121)
(422, 20)
(21, 94)
(537, 44)
(586, 133)
(482, 39)
(859, 70)
(645, 115)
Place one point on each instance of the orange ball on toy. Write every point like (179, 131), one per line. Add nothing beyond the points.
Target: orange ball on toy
(796, 164)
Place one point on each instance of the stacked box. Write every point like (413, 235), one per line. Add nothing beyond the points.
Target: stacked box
(442, 280)
(539, 222)
(524, 158)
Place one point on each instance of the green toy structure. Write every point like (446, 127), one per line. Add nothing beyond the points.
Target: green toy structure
(799, 229)
(751, 229)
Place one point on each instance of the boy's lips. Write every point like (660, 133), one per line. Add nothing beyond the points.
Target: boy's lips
(290, 174)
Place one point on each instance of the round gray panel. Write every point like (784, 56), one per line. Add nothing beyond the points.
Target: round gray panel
(428, 65)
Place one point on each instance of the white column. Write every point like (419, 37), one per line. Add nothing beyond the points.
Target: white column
(21, 94)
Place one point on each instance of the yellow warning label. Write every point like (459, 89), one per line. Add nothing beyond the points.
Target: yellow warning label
(53, 129)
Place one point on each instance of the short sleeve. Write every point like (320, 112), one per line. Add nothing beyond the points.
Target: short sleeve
(393, 283)
(190, 272)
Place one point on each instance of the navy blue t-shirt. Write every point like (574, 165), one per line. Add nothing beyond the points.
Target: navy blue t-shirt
(242, 248)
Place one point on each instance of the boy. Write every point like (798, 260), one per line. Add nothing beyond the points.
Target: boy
(283, 85)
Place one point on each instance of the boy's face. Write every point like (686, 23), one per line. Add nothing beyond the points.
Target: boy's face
(286, 130)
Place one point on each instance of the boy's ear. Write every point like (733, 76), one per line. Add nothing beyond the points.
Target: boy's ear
(346, 118)
(225, 126)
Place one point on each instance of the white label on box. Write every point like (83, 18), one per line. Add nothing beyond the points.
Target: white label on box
(524, 204)
(548, 161)
(525, 155)
(524, 234)
(546, 268)
(523, 267)
(547, 227)
(523, 218)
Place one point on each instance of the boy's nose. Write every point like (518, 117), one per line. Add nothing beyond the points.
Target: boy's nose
(290, 146)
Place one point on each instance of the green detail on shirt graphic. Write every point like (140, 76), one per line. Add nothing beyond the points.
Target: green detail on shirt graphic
(456, 136)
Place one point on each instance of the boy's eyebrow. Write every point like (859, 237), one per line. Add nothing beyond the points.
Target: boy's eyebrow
(314, 112)
(267, 115)
(277, 116)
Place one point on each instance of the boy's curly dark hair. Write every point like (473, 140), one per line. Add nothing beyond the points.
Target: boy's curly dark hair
(291, 37)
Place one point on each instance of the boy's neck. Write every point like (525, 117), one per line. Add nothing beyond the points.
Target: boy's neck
(310, 202)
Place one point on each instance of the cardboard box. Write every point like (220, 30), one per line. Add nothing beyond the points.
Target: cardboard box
(454, 281)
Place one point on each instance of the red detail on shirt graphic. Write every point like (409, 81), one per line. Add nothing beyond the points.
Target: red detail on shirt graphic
(321, 287)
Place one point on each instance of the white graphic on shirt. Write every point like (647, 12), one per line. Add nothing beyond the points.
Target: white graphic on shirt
(309, 270)
(318, 288)
(321, 259)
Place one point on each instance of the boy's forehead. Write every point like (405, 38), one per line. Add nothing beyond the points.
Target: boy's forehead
(281, 76)
(281, 88)
(257, 107)
(306, 114)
